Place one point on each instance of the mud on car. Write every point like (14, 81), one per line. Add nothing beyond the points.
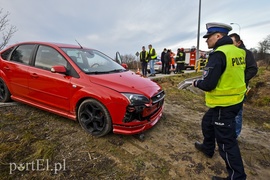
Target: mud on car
(80, 84)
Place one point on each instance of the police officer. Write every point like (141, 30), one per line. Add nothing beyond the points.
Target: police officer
(224, 85)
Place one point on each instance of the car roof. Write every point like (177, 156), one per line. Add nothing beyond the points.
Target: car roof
(54, 44)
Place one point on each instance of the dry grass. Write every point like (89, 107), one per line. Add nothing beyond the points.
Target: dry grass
(28, 134)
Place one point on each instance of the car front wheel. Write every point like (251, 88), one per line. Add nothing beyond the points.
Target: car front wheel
(4, 92)
(94, 117)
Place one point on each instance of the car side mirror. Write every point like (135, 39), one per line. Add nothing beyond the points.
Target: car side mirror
(59, 69)
(118, 58)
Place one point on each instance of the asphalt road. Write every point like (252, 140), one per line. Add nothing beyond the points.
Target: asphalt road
(172, 74)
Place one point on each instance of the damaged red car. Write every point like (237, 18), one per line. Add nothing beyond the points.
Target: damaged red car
(81, 84)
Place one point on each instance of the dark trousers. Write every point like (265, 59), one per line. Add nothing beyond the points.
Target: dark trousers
(180, 67)
(144, 68)
(219, 124)
(162, 67)
(167, 67)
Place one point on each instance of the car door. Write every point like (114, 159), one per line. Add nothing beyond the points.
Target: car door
(51, 90)
(16, 70)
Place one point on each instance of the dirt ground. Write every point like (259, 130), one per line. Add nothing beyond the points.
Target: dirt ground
(35, 144)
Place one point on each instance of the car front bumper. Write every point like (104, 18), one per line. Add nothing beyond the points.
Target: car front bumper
(137, 127)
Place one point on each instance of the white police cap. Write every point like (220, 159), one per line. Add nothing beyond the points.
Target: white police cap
(215, 27)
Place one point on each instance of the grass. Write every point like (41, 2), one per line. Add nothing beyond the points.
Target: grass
(28, 134)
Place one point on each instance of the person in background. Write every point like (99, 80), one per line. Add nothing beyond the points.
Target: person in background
(144, 61)
(162, 61)
(250, 72)
(180, 60)
(224, 85)
(172, 62)
(152, 55)
(167, 62)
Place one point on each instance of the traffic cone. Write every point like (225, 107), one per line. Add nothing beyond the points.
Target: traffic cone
(138, 71)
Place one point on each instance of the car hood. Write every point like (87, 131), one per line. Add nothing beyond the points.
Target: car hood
(126, 82)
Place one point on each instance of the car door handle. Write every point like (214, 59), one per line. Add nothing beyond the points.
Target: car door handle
(6, 68)
(34, 75)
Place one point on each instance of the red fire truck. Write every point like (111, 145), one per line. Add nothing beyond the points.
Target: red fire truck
(190, 60)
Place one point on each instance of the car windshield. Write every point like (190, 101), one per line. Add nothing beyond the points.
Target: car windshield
(93, 61)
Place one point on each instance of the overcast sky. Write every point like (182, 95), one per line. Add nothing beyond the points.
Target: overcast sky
(127, 25)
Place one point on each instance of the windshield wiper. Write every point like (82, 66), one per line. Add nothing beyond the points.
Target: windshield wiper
(115, 70)
(96, 72)
(106, 72)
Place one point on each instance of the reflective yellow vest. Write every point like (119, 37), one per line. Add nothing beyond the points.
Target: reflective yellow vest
(144, 58)
(231, 86)
(152, 56)
(178, 56)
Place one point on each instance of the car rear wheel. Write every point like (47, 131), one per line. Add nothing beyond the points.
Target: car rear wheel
(4, 92)
(94, 118)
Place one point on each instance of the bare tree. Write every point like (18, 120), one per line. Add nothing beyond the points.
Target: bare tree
(128, 58)
(264, 49)
(6, 29)
(131, 61)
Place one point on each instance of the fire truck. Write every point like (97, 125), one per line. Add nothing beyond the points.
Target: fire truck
(190, 60)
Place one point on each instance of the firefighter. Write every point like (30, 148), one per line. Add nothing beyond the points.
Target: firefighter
(224, 85)
(180, 60)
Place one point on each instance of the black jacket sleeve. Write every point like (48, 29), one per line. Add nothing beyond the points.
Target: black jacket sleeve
(213, 70)
(251, 66)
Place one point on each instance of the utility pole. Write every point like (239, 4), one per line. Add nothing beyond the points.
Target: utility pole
(238, 27)
(198, 33)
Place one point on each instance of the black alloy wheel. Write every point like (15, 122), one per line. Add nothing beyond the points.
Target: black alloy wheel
(94, 118)
(4, 92)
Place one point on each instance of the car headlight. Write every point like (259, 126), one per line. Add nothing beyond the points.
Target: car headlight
(136, 99)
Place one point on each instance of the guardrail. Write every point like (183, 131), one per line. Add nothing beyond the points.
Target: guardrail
(187, 82)
(200, 64)
(8, 104)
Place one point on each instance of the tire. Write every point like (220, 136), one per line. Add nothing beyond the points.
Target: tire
(4, 92)
(94, 118)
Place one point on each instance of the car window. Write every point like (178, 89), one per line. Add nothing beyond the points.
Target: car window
(48, 57)
(92, 61)
(5, 54)
(22, 54)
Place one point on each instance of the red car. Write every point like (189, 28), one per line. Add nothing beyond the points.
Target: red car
(81, 84)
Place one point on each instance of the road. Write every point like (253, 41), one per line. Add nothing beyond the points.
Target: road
(172, 74)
